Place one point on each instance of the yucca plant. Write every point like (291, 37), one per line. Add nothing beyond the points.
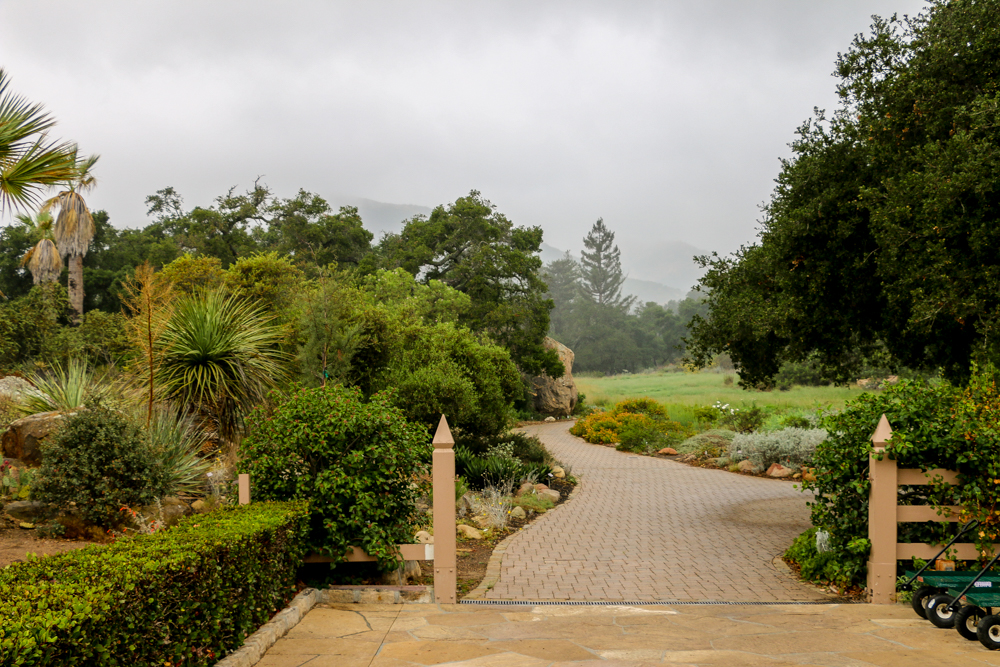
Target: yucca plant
(220, 357)
(176, 443)
(64, 388)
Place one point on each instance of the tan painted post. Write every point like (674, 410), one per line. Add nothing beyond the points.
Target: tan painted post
(443, 461)
(244, 481)
(882, 526)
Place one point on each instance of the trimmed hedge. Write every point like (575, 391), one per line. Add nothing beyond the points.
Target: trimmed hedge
(186, 596)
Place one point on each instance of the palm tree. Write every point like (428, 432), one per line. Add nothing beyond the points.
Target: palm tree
(74, 227)
(42, 259)
(28, 160)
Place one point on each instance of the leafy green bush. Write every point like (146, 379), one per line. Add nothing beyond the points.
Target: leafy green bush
(640, 437)
(790, 446)
(804, 373)
(525, 448)
(100, 460)
(934, 426)
(818, 565)
(742, 420)
(354, 461)
(188, 595)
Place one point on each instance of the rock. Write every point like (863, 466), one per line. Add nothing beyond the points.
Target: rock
(423, 537)
(468, 532)
(797, 475)
(778, 471)
(746, 466)
(558, 472)
(556, 396)
(669, 451)
(199, 507)
(23, 437)
(550, 419)
(482, 521)
(809, 475)
(551, 494)
(407, 572)
(525, 488)
(31, 511)
(13, 386)
(464, 504)
(540, 487)
(26, 525)
(518, 513)
(170, 511)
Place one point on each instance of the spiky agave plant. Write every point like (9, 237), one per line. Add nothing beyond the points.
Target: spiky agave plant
(64, 388)
(176, 442)
(220, 356)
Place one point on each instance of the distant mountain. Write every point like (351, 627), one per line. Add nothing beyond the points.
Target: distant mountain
(380, 217)
(665, 262)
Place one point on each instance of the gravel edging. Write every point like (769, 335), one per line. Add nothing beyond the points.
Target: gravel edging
(256, 645)
(496, 558)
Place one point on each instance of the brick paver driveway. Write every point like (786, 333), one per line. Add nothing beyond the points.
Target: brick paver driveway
(641, 528)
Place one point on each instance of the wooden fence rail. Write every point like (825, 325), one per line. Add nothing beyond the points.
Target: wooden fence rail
(442, 552)
(885, 512)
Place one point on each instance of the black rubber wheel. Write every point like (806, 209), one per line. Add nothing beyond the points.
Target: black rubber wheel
(988, 632)
(920, 598)
(967, 621)
(938, 612)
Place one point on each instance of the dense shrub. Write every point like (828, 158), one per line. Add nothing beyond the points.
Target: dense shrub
(100, 460)
(354, 461)
(521, 446)
(188, 595)
(742, 420)
(790, 446)
(643, 421)
(804, 373)
(934, 426)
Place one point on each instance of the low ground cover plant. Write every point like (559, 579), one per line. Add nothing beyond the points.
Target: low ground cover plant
(789, 447)
(355, 461)
(188, 595)
(709, 444)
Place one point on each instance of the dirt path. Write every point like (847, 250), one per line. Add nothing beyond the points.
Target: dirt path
(646, 529)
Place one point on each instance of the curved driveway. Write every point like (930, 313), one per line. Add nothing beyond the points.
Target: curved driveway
(642, 529)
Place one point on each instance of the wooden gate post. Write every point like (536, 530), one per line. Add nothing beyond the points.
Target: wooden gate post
(882, 526)
(443, 462)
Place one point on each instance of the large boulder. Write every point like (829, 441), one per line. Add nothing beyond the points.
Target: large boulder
(22, 439)
(556, 396)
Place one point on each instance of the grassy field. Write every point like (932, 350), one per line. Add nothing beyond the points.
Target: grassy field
(682, 391)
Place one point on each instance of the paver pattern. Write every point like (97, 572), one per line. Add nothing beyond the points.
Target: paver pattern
(621, 636)
(647, 529)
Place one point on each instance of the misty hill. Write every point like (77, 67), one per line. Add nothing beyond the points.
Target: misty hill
(379, 216)
(644, 290)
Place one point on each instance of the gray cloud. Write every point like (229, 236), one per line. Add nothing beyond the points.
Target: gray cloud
(665, 118)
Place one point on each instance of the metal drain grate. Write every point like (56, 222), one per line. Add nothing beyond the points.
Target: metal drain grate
(641, 603)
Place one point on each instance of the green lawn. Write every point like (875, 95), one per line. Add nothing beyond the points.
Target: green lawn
(684, 390)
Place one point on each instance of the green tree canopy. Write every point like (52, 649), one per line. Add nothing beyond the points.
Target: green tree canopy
(471, 247)
(882, 234)
(601, 275)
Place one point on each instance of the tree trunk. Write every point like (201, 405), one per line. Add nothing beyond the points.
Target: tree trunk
(75, 287)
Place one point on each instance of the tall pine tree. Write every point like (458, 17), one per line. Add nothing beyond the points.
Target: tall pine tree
(601, 269)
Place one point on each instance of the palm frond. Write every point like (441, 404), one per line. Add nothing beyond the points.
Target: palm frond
(24, 170)
(74, 226)
(43, 261)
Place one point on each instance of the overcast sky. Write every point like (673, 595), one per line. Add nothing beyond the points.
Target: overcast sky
(667, 119)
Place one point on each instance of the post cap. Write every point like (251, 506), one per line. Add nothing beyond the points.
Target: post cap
(882, 433)
(442, 438)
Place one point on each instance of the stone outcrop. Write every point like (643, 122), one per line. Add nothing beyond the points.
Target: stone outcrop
(556, 396)
(23, 437)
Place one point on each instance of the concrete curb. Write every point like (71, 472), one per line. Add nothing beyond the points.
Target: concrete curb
(496, 558)
(256, 645)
